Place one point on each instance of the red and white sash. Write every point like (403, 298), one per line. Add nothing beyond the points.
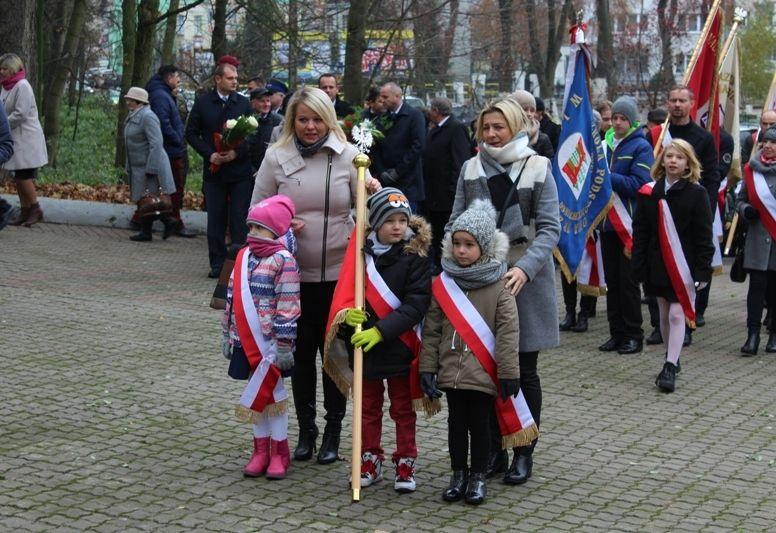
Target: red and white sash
(761, 198)
(383, 301)
(717, 233)
(621, 220)
(590, 273)
(675, 262)
(265, 389)
(517, 426)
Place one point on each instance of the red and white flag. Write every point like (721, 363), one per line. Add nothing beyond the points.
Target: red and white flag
(265, 391)
(590, 274)
(516, 424)
(703, 78)
(621, 220)
(761, 198)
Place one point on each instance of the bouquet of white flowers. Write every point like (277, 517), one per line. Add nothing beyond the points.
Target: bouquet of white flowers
(234, 133)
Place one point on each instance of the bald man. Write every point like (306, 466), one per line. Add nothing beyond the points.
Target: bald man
(767, 120)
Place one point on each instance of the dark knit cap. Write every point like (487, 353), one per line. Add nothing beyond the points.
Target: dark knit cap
(627, 107)
(770, 134)
(384, 203)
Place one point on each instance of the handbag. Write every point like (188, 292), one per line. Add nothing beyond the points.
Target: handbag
(152, 205)
(737, 270)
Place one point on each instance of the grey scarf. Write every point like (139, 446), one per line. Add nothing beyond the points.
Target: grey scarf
(309, 150)
(483, 272)
(379, 248)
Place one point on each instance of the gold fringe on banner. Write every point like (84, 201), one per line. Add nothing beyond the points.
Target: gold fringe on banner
(598, 219)
(336, 362)
(426, 405)
(524, 437)
(590, 290)
(244, 414)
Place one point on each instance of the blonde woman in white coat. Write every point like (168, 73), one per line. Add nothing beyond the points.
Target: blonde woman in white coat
(29, 144)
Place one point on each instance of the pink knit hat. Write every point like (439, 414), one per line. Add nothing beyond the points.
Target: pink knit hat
(273, 213)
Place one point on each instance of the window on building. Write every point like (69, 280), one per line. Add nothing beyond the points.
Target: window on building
(199, 24)
(619, 23)
(694, 23)
(680, 64)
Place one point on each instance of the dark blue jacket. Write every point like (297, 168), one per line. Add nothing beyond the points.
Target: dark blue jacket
(629, 166)
(6, 142)
(163, 105)
(208, 115)
(401, 151)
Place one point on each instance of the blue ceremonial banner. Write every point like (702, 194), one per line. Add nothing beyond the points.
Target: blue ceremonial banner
(580, 170)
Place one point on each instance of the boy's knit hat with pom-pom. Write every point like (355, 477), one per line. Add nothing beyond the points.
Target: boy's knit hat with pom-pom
(273, 213)
(479, 220)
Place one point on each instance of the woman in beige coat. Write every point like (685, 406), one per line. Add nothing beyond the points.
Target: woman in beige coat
(29, 144)
(312, 163)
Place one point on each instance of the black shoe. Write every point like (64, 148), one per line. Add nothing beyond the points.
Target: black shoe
(140, 237)
(611, 345)
(591, 314)
(497, 463)
(457, 486)
(520, 470)
(329, 451)
(581, 325)
(752, 343)
(306, 446)
(700, 321)
(169, 228)
(184, 232)
(655, 337)
(630, 346)
(687, 337)
(214, 272)
(568, 321)
(475, 488)
(666, 380)
(771, 346)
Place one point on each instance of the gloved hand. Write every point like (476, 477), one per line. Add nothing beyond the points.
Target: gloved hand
(509, 387)
(428, 382)
(700, 285)
(226, 348)
(389, 177)
(367, 339)
(355, 317)
(284, 360)
(750, 213)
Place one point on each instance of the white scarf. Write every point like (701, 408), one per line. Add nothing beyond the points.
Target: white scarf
(514, 150)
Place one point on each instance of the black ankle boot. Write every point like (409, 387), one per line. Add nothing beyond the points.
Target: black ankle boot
(329, 451)
(581, 325)
(497, 462)
(457, 486)
(568, 321)
(520, 469)
(666, 380)
(170, 225)
(145, 232)
(475, 488)
(752, 343)
(771, 346)
(655, 337)
(306, 446)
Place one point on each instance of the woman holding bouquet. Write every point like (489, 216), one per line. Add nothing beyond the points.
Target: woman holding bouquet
(148, 166)
(312, 163)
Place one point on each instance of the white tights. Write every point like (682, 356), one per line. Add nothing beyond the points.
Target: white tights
(671, 327)
(272, 426)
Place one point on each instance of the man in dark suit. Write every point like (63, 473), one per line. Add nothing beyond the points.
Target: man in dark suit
(328, 84)
(227, 190)
(447, 148)
(399, 154)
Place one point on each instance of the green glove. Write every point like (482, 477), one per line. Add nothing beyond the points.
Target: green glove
(355, 317)
(367, 339)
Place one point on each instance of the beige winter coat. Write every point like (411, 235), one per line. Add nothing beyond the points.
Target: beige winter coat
(445, 354)
(322, 194)
(29, 145)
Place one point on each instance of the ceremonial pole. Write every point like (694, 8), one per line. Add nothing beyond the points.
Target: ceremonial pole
(690, 66)
(362, 162)
(739, 18)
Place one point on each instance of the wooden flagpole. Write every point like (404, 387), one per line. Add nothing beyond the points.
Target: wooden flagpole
(362, 162)
(690, 66)
(771, 98)
(738, 18)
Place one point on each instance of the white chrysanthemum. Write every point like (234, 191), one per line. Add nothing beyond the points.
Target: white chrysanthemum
(253, 122)
(231, 123)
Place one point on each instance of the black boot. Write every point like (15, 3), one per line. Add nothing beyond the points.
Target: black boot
(475, 488)
(308, 434)
(771, 346)
(520, 469)
(581, 325)
(329, 451)
(752, 343)
(569, 320)
(145, 232)
(457, 486)
(687, 337)
(666, 380)
(170, 225)
(655, 337)
(497, 462)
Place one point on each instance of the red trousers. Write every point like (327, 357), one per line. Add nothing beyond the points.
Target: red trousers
(401, 413)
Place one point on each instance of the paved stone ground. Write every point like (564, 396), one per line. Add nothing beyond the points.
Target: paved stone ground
(116, 414)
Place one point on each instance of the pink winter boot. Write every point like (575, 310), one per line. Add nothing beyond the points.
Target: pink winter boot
(278, 464)
(260, 458)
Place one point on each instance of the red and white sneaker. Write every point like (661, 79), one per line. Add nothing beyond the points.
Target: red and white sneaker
(405, 475)
(371, 469)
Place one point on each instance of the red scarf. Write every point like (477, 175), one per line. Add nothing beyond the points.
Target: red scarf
(263, 247)
(764, 160)
(11, 81)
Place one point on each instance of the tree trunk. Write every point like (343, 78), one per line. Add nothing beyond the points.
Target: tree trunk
(355, 45)
(62, 71)
(76, 73)
(17, 33)
(54, 28)
(427, 68)
(218, 37)
(128, 28)
(449, 35)
(148, 11)
(665, 75)
(605, 63)
(293, 43)
(506, 68)
(168, 45)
